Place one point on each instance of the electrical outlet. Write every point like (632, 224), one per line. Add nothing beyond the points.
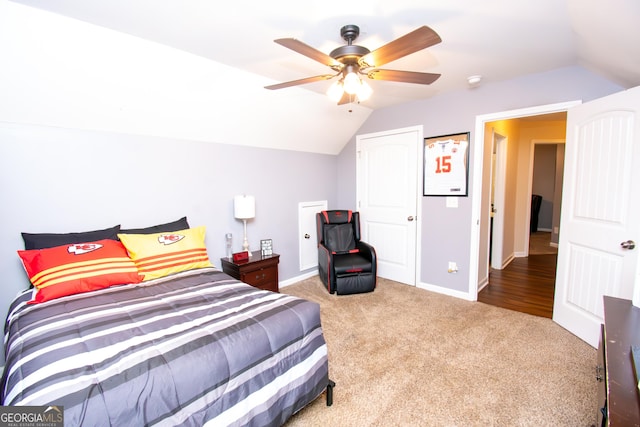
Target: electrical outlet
(453, 267)
(555, 230)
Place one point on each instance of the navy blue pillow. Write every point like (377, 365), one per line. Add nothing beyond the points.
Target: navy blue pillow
(177, 225)
(50, 240)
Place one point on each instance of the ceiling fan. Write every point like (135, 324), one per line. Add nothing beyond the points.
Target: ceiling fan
(350, 60)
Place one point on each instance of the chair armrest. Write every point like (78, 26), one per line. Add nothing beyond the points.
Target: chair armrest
(367, 251)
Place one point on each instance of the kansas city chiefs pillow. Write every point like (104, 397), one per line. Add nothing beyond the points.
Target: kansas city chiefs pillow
(77, 268)
(160, 254)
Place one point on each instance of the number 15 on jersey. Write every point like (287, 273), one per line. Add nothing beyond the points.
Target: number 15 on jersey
(445, 165)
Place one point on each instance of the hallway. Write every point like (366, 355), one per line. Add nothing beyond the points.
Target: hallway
(526, 285)
(540, 243)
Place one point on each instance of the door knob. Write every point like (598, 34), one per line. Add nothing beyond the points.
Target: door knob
(629, 244)
(410, 218)
(306, 236)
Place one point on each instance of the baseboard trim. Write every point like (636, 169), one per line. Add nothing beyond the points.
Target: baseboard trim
(297, 279)
(508, 261)
(483, 284)
(421, 285)
(445, 291)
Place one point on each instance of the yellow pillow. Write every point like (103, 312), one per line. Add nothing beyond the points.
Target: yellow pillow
(160, 254)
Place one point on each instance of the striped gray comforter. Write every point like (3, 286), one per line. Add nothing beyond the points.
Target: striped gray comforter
(197, 348)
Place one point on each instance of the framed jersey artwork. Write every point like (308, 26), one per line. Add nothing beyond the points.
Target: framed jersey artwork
(446, 165)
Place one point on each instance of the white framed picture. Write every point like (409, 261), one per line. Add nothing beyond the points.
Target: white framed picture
(266, 247)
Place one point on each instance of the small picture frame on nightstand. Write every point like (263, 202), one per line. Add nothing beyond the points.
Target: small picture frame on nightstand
(266, 247)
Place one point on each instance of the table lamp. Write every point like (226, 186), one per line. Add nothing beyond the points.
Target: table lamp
(244, 208)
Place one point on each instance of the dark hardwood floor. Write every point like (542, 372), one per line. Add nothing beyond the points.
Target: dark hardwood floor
(526, 285)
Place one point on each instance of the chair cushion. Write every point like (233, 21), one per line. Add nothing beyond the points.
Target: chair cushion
(339, 237)
(351, 264)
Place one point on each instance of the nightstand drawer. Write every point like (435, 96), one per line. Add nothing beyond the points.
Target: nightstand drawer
(265, 278)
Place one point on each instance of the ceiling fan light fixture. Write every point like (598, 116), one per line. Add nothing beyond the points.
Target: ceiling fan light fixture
(335, 91)
(364, 91)
(351, 83)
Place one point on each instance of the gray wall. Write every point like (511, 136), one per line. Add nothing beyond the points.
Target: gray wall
(445, 231)
(63, 180)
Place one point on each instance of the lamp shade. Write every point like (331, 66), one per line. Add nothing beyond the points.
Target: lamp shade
(364, 91)
(351, 83)
(244, 207)
(335, 91)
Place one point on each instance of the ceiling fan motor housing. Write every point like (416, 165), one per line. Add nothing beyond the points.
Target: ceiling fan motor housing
(350, 53)
(349, 33)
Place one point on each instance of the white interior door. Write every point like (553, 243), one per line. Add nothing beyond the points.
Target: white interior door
(387, 169)
(307, 234)
(600, 211)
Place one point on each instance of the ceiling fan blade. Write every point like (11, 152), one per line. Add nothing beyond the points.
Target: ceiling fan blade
(416, 40)
(403, 76)
(310, 52)
(300, 81)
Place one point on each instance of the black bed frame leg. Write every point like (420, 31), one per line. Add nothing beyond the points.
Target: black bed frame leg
(330, 387)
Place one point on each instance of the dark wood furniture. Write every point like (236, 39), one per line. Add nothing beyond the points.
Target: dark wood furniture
(618, 396)
(259, 271)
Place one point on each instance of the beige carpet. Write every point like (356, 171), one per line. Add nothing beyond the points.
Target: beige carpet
(402, 356)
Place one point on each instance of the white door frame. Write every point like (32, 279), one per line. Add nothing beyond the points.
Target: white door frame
(497, 232)
(477, 187)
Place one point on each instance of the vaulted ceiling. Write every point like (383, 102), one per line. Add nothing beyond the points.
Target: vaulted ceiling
(496, 39)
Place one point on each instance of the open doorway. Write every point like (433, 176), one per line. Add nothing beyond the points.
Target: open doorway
(528, 160)
(547, 172)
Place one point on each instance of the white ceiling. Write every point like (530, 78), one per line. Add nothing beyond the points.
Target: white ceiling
(497, 39)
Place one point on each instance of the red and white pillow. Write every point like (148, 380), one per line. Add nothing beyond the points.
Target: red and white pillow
(78, 267)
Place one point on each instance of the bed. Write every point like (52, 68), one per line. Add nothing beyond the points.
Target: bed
(192, 348)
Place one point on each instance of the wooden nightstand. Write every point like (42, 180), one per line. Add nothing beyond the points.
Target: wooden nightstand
(258, 271)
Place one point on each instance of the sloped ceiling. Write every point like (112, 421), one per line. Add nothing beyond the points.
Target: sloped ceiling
(497, 39)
